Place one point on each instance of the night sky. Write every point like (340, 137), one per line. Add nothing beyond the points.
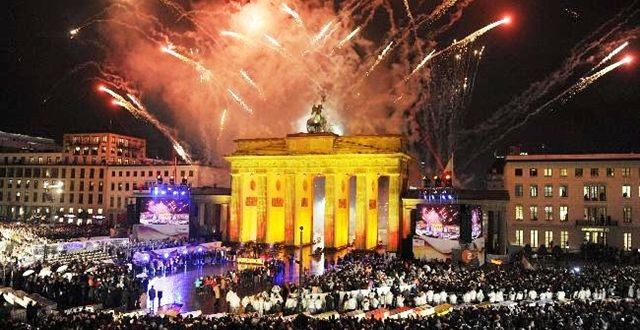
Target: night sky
(37, 52)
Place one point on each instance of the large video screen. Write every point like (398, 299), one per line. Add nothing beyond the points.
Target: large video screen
(438, 221)
(443, 221)
(164, 211)
(476, 222)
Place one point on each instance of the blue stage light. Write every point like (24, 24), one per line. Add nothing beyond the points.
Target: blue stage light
(166, 255)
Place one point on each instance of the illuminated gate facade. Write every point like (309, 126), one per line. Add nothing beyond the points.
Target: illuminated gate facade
(272, 188)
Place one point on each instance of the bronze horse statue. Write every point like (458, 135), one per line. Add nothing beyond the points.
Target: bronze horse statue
(317, 123)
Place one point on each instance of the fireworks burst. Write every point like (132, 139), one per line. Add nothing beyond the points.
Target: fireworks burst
(295, 51)
(611, 55)
(139, 111)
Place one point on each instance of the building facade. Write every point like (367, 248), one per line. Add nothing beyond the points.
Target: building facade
(569, 199)
(321, 182)
(93, 183)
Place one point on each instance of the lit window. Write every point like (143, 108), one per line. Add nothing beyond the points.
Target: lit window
(519, 212)
(626, 214)
(534, 238)
(610, 172)
(548, 213)
(563, 191)
(548, 172)
(563, 172)
(625, 171)
(627, 242)
(519, 237)
(564, 239)
(548, 190)
(533, 211)
(548, 238)
(564, 213)
(626, 191)
(533, 190)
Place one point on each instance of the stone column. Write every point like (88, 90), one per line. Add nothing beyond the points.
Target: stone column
(341, 222)
(235, 212)
(289, 208)
(372, 211)
(261, 207)
(275, 209)
(224, 224)
(303, 208)
(361, 211)
(249, 220)
(330, 209)
(393, 223)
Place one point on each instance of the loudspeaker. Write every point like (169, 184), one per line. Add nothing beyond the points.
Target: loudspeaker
(464, 215)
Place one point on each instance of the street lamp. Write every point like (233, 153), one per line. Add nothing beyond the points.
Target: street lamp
(301, 267)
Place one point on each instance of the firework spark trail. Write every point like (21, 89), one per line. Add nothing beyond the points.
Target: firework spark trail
(250, 81)
(476, 34)
(611, 55)
(379, 59)
(223, 119)
(421, 64)
(205, 74)
(560, 98)
(240, 101)
(485, 134)
(408, 9)
(296, 17)
(324, 32)
(141, 112)
(585, 82)
(348, 37)
(235, 35)
(272, 41)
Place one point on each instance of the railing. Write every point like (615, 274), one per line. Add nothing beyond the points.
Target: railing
(599, 222)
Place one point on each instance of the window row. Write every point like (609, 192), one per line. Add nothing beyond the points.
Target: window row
(183, 174)
(54, 172)
(25, 197)
(593, 215)
(548, 242)
(591, 192)
(578, 172)
(563, 213)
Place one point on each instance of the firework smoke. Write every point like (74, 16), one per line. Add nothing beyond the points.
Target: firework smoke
(516, 113)
(296, 51)
(611, 55)
(138, 111)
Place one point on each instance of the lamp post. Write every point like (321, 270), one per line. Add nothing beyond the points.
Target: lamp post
(301, 266)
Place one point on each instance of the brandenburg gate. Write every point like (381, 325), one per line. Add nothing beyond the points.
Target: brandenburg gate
(272, 188)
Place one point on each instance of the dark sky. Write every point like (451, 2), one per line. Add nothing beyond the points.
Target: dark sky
(37, 52)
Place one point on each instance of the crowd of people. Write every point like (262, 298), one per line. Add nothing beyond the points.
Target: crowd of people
(366, 281)
(594, 315)
(585, 295)
(78, 283)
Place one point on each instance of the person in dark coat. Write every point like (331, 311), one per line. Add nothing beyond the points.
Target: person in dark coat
(152, 297)
(159, 298)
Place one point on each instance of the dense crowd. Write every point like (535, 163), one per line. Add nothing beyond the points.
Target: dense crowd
(574, 315)
(366, 281)
(78, 283)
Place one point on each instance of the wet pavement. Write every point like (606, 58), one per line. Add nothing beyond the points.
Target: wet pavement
(179, 287)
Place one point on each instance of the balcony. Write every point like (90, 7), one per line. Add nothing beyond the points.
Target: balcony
(597, 223)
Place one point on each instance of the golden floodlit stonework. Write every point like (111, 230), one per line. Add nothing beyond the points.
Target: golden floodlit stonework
(272, 194)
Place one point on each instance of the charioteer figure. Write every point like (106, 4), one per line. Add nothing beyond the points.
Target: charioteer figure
(317, 123)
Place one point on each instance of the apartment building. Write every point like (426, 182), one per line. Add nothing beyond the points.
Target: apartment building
(87, 180)
(567, 199)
